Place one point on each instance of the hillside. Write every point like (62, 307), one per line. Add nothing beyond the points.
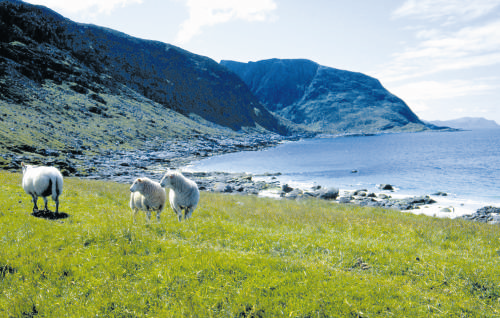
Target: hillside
(238, 256)
(325, 99)
(468, 123)
(73, 87)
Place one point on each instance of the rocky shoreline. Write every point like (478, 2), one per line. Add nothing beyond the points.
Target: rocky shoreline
(155, 159)
(487, 214)
(152, 160)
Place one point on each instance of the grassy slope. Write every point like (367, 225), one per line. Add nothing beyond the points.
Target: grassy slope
(239, 257)
(56, 117)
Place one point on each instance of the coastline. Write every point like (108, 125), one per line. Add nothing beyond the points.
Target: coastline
(152, 162)
(439, 205)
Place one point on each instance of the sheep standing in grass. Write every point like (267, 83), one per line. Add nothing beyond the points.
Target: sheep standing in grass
(42, 182)
(184, 194)
(147, 195)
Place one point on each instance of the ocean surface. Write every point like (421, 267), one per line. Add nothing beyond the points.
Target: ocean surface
(465, 164)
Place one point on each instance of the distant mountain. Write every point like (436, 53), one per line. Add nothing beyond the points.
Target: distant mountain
(39, 47)
(326, 99)
(468, 123)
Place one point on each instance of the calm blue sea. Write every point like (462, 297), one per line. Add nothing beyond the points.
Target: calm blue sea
(463, 164)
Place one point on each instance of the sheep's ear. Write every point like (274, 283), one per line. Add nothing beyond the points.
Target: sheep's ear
(139, 180)
(23, 165)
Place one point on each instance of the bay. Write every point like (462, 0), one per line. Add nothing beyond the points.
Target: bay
(463, 164)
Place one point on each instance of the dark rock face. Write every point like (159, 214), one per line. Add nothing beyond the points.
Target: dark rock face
(325, 99)
(277, 83)
(40, 44)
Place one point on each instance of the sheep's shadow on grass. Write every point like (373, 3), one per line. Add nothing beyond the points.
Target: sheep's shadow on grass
(49, 215)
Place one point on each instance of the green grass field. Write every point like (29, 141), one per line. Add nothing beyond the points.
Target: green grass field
(239, 256)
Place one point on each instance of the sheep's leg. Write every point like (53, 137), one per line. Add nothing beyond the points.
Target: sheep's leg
(35, 206)
(45, 200)
(148, 214)
(134, 212)
(178, 211)
(158, 216)
(57, 205)
(188, 211)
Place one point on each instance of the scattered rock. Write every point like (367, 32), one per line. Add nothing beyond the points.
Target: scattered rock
(361, 192)
(487, 214)
(495, 219)
(294, 194)
(222, 188)
(368, 202)
(328, 194)
(345, 200)
(387, 187)
(286, 188)
(441, 194)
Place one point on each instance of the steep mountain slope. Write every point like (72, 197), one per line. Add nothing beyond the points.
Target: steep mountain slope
(325, 99)
(39, 47)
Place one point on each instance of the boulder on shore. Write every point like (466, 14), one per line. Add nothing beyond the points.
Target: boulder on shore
(328, 194)
(387, 187)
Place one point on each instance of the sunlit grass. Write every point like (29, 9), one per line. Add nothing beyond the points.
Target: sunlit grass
(239, 256)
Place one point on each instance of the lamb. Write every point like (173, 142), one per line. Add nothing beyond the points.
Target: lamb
(184, 194)
(42, 181)
(147, 195)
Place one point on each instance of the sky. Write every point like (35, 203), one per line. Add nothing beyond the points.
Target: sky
(442, 57)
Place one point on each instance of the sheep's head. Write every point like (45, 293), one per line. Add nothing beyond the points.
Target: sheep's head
(137, 185)
(166, 181)
(25, 167)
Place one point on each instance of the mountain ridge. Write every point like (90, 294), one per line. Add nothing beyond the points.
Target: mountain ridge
(180, 80)
(325, 99)
(73, 89)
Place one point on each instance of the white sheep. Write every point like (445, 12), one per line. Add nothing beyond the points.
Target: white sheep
(147, 195)
(184, 194)
(42, 182)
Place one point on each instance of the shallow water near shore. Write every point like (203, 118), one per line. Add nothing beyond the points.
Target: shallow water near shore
(464, 164)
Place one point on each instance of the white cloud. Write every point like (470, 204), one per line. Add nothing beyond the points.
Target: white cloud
(89, 7)
(441, 50)
(445, 99)
(203, 13)
(432, 90)
(457, 35)
(448, 11)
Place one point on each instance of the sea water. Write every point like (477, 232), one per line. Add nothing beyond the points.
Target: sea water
(463, 164)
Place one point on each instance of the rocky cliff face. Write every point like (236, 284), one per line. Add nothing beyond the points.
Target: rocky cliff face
(325, 99)
(38, 45)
